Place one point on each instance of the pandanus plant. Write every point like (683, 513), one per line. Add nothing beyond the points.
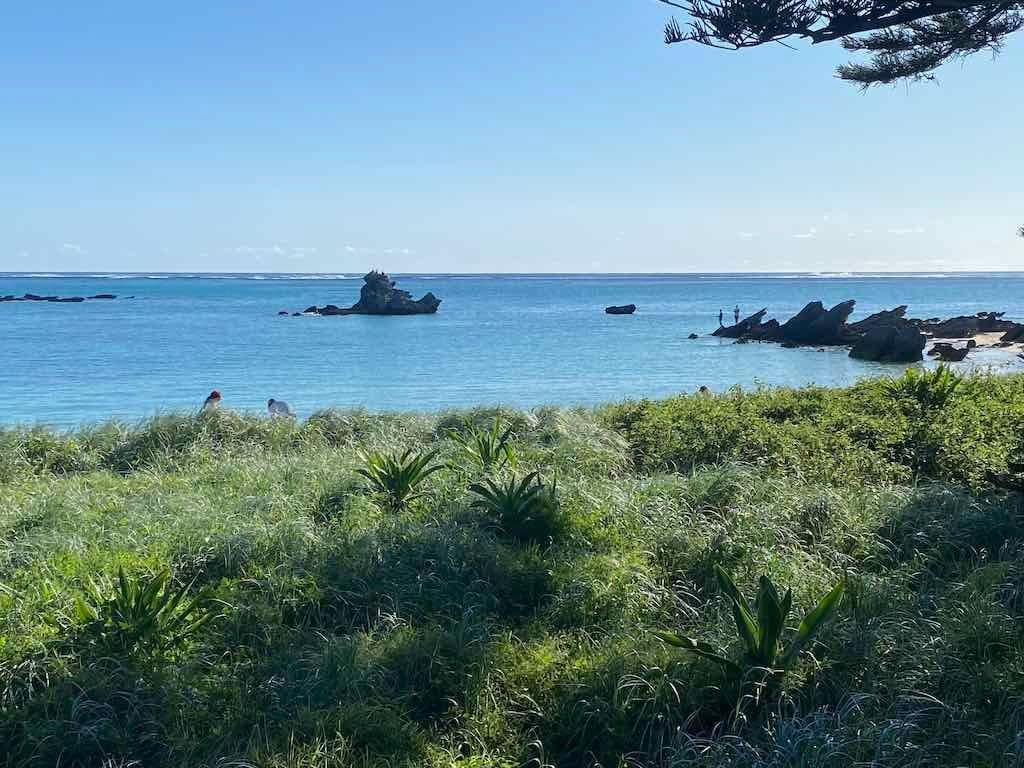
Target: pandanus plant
(487, 448)
(523, 509)
(142, 612)
(398, 479)
(761, 626)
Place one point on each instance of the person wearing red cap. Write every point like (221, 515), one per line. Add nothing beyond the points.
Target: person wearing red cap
(212, 402)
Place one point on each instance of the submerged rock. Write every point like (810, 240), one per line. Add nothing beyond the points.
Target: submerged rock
(625, 309)
(379, 296)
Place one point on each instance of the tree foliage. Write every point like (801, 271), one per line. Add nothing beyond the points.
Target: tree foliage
(903, 39)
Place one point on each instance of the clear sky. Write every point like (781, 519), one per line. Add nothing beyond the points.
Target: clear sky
(331, 136)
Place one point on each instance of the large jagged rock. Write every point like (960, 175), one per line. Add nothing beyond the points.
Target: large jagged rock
(890, 344)
(379, 296)
(748, 327)
(815, 325)
(884, 319)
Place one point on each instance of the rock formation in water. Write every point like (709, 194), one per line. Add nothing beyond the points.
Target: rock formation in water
(56, 299)
(966, 326)
(750, 327)
(947, 353)
(379, 296)
(625, 309)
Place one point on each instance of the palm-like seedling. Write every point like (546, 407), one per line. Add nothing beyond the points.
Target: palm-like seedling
(760, 627)
(930, 390)
(398, 479)
(521, 508)
(487, 448)
(145, 612)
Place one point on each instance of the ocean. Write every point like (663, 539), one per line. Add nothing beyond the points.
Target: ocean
(519, 340)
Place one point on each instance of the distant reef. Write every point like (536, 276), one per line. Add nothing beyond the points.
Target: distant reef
(56, 299)
(379, 296)
(887, 336)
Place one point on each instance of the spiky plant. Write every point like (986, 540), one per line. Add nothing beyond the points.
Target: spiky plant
(523, 509)
(145, 613)
(929, 390)
(926, 393)
(398, 479)
(760, 627)
(489, 449)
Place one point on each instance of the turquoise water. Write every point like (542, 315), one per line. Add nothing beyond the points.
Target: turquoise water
(522, 340)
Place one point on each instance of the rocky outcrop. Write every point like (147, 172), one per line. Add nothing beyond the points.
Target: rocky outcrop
(1014, 334)
(814, 325)
(947, 353)
(884, 319)
(885, 336)
(379, 296)
(56, 299)
(625, 309)
(747, 328)
(890, 344)
(966, 326)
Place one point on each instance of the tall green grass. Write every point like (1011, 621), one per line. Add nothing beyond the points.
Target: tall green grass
(337, 633)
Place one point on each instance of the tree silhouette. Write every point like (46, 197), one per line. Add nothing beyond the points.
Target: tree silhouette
(904, 39)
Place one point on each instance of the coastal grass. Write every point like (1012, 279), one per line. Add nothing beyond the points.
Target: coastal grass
(331, 628)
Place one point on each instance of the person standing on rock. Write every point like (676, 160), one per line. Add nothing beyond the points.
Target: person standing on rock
(736, 314)
(721, 317)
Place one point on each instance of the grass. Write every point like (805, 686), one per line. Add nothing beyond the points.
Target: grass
(337, 630)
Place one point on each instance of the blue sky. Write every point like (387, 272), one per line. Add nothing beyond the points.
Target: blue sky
(478, 136)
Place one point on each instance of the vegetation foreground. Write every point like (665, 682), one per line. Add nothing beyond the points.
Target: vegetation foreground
(494, 589)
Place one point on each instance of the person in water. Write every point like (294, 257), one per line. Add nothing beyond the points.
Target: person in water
(212, 402)
(721, 317)
(279, 408)
(736, 314)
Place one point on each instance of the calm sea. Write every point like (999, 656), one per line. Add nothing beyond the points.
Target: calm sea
(521, 340)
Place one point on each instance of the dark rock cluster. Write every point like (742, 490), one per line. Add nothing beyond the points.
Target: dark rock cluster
(379, 296)
(625, 309)
(887, 336)
(56, 299)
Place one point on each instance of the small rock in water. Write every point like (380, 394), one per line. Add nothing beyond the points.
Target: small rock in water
(693, 336)
(624, 309)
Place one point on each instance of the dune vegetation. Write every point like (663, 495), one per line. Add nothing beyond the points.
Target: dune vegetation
(493, 588)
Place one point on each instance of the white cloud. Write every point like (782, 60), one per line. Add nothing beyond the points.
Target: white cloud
(919, 230)
(806, 235)
(746, 235)
(73, 247)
